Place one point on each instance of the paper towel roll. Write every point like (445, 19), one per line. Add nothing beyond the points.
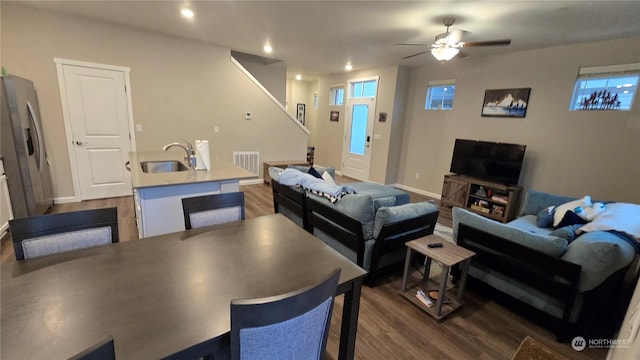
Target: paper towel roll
(203, 162)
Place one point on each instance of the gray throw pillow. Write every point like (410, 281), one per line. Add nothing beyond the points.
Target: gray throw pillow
(544, 218)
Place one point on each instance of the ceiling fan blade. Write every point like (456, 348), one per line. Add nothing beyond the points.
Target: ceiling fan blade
(410, 56)
(487, 43)
(414, 44)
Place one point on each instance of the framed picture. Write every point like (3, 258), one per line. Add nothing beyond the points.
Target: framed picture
(300, 113)
(506, 103)
(382, 117)
(334, 116)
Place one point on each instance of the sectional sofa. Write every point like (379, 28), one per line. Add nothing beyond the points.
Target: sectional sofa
(559, 275)
(369, 225)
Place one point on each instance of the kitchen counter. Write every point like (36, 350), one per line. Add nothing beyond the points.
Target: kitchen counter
(158, 196)
(220, 170)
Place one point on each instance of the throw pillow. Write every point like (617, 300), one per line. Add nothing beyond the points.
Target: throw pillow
(544, 218)
(571, 205)
(327, 177)
(590, 212)
(314, 172)
(567, 232)
(571, 218)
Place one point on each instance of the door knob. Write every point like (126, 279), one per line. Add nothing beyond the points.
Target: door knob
(78, 142)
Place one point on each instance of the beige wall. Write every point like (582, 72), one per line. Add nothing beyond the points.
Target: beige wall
(181, 88)
(572, 153)
(397, 126)
(272, 77)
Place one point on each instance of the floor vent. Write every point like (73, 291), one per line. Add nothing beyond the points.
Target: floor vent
(248, 160)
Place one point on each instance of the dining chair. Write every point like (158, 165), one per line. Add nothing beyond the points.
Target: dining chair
(294, 325)
(56, 233)
(103, 350)
(214, 209)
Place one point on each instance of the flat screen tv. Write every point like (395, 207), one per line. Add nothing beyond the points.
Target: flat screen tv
(491, 161)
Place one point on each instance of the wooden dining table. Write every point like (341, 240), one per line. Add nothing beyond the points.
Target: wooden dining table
(166, 296)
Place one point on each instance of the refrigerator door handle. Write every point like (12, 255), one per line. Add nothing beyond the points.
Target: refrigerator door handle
(36, 124)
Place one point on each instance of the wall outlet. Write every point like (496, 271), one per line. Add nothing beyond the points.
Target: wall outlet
(247, 116)
(417, 175)
(138, 127)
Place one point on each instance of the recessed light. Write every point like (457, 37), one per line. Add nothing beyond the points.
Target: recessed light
(298, 77)
(348, 67)
(268, 49)
(187, 13)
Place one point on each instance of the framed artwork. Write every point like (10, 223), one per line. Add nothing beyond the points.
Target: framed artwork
(334, 116)
(300, 113)
(506, 103)
(382, 117)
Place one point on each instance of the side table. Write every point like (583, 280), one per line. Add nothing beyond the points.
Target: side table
(267, 164)
(448, 255)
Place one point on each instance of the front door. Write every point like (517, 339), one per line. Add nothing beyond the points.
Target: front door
(97, 105)
(356, 150)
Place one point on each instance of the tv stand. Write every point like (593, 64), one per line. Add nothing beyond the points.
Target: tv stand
(493, 200)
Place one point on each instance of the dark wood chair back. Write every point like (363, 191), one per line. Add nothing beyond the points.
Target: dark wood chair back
(63, 231)
(103, 350)
(212, 209)
(287, 326)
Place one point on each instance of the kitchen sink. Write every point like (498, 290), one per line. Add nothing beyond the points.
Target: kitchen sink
(162, 166)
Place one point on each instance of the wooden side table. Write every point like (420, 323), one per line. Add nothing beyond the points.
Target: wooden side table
(280, 164)
(448, 255)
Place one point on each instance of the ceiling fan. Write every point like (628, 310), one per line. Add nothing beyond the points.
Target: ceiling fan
(448, 44)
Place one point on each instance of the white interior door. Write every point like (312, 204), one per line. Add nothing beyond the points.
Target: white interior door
(356, 149)
(97, 106)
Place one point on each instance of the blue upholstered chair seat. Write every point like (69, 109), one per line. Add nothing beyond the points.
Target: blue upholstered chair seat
(215, 216)
(63, 242)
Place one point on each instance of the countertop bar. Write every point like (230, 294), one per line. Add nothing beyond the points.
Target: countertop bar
(220, 170)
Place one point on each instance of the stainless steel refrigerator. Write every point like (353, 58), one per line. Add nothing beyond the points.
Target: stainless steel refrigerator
(23, 150)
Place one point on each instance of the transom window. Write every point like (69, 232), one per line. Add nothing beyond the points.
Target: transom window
(336, 95)
(440, 95)
(363, 89)
(605, 87)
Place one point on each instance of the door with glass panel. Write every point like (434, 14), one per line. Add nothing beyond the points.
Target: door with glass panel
(356, 150)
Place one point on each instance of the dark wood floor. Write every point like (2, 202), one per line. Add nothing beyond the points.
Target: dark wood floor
(389, 326)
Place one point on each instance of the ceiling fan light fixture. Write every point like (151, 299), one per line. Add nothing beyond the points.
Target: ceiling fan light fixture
(444, 53)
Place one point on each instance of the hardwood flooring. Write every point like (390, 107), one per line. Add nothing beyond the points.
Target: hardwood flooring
(389, 326)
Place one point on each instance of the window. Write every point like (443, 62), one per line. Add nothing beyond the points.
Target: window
(440, 95)
(605, 87)
(336, 96)
(363, 89)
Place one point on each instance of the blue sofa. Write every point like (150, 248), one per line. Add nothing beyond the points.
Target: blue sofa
(370, 226)
(548, 273)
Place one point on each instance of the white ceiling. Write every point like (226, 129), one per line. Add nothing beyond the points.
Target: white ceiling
(319, 37)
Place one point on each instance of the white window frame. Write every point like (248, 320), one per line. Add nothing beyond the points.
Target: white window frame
(333, 95)
(437, 84)
(605, 73)
(352, 84)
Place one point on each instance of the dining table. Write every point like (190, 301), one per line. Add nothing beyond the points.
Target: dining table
(166, 296)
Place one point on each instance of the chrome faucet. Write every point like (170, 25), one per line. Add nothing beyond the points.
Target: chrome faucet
(190, 158)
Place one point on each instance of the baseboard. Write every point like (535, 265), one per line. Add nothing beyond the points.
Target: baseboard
(251, 181)
(417, 191)
(65, 200)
